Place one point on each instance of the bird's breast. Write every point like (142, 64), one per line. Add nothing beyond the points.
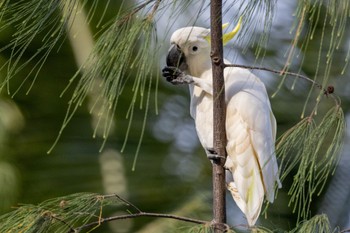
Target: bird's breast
(202, 113)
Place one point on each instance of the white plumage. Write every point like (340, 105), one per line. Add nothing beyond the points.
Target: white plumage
(250, 123)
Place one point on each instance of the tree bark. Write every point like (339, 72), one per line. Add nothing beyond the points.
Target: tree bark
(219, 113)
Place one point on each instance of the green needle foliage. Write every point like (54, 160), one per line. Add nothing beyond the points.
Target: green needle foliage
(57, 215)
(32, 21)
(318, 223)
(312, 150)
(332, 17)
(123, 54)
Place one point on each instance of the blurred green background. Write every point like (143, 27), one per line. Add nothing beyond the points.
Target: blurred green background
(172, 172)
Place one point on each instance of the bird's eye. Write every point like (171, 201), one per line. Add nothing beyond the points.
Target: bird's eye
(194, 48)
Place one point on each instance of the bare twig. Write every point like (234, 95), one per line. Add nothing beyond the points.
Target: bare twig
(134, 11)
(137, 215)
(128, 203)
(154, 10)
(329, 91)
(281, 72)
(54, 216)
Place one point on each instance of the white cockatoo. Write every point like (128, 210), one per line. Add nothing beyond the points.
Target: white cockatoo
(250, 123)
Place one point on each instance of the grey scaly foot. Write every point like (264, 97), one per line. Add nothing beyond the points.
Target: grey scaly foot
(213, 155)
(175, 76)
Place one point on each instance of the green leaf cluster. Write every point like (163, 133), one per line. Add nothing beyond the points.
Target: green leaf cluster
(57, 215)
(312, 150)
(32, 21)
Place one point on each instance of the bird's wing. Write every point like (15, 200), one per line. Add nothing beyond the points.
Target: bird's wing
(247, 188)
(251, 130)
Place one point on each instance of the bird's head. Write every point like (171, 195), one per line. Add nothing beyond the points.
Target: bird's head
(190, 48)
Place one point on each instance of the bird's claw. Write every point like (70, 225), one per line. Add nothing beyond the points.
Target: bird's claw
(213, 155)
(175, 76)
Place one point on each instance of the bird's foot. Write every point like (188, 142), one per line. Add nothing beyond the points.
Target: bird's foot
(213, 155)
(175, 76)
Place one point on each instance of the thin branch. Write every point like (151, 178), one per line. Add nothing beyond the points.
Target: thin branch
(71, 229)
(327, 91)
(141, 214)
(154, 10)
(128, 203)
(140, 7)
(281, 72)
(134, 11)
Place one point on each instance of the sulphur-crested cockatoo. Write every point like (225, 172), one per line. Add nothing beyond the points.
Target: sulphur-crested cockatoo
(250, 123)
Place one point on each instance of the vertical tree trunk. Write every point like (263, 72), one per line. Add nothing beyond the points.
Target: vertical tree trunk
(219, 111)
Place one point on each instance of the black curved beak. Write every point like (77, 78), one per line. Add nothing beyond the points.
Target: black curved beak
(176, 58)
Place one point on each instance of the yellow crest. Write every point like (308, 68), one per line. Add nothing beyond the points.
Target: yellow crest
(228, 36)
